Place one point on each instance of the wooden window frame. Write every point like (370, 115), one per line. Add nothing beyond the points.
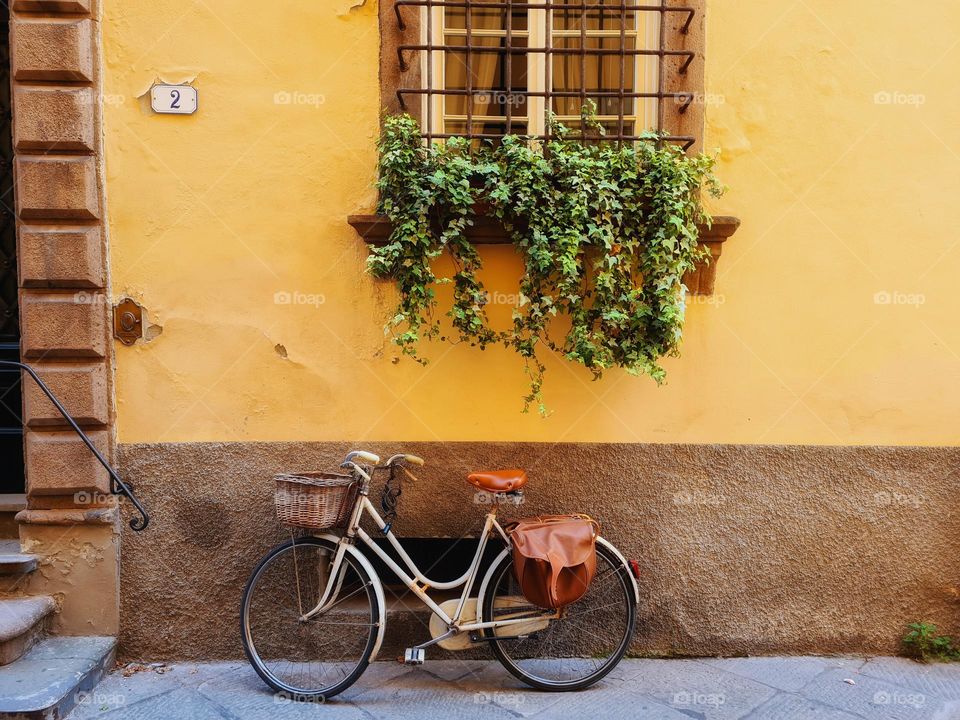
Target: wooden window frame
(679, 90)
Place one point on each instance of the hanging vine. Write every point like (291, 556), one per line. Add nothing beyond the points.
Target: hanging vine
(606, 233)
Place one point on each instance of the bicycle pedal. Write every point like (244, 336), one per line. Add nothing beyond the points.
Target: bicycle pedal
(413, 656)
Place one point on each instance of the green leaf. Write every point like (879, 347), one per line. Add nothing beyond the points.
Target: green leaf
(606, 232)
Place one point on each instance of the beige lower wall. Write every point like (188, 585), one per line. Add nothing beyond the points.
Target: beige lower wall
(78, 567)
(743, 549)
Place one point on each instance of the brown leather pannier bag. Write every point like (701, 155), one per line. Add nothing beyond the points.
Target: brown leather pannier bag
(554, 557)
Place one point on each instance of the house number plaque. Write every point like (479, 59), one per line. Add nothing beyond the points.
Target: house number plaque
(174, 99)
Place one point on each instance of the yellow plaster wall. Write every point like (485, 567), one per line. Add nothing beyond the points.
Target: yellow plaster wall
(842, 197)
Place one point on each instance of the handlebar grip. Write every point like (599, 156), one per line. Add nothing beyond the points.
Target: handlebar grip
(413, 459)
(362, 455)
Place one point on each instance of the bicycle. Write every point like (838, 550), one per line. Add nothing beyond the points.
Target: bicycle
(313, 613)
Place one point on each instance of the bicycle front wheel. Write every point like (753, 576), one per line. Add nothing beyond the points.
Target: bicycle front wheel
(577, 649)
(316, 658)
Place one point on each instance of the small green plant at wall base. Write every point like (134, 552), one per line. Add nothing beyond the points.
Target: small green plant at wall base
(606, 232)
(925, 643)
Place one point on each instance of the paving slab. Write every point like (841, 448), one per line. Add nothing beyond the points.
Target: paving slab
(809, 688)
(118, 693)
(243, 694)
(871, 698)
(786, 706)
(193, 674)
(610, 701)
(491, 684)
(179, 704)
(937, 679)
(695, 688)
(783, 673)
(453, 669)
(419, 694)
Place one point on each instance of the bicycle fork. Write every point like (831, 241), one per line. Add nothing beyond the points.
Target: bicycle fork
(335, 573)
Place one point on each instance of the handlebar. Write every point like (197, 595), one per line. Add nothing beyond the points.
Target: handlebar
(412, 459)
(372, 459)
(367, 457)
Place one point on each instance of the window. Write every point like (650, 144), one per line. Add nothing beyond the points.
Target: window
(488, 68)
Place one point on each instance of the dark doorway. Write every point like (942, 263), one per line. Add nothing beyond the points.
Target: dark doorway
(11, 422)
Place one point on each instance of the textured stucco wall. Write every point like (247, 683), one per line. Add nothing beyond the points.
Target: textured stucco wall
(842, 198)
(743, 549)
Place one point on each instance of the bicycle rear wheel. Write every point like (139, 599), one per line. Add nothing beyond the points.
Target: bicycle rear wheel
(579, 648)
(308, 659)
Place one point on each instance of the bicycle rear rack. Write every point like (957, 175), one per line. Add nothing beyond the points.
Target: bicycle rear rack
(117, 486)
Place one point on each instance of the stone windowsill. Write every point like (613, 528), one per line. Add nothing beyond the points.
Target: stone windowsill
(375, 229)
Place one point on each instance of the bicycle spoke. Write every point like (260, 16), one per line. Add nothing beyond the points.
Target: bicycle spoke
(315, 655)
(584, 643)
(330, 607)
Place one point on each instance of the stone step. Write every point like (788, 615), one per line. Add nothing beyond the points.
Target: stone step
(23, 621)
(14, 562)
(57, 674)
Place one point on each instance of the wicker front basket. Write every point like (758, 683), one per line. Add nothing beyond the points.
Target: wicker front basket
(315, 500)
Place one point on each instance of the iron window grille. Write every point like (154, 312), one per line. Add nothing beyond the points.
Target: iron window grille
(612, 52)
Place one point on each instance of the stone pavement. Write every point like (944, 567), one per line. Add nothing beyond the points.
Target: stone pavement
(778, 688)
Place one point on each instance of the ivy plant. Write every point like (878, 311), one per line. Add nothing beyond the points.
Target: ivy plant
(606, 232)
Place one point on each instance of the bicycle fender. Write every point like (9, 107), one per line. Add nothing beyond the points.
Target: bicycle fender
(377, 589)
(633, 580)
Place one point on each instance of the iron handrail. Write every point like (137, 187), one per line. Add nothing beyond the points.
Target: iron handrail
(117, 486)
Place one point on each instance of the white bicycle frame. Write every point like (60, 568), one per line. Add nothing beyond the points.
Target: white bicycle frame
(416, 581)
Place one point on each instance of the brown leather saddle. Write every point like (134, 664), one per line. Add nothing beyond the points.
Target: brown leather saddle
(498, 481)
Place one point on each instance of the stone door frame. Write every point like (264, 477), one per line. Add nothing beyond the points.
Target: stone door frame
(64, 306)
